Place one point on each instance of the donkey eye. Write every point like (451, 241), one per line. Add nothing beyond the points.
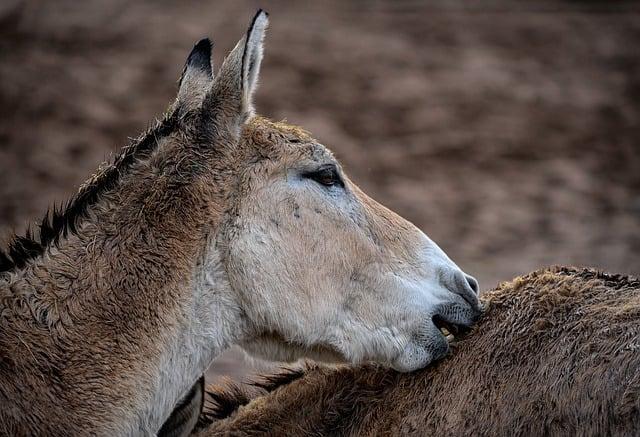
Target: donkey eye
(327, 176)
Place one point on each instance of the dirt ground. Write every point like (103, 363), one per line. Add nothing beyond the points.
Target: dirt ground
(508, 132)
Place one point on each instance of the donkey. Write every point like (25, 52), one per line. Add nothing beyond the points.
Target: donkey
(556, 353)
(216, 227)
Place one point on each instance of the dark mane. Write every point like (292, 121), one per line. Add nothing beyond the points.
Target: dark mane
(223, 400)
(59, 221)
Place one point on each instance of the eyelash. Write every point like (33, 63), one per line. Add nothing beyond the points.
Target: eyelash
(325, 176)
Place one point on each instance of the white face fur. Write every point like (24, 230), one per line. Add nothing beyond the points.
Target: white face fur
(322, 270)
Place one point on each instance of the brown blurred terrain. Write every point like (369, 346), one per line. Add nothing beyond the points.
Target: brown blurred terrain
(509, 132)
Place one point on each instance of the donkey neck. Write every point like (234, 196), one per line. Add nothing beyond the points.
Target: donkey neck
(212, 323)
(111, 327)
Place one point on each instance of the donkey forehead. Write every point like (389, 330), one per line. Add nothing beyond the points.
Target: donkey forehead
(283, 142)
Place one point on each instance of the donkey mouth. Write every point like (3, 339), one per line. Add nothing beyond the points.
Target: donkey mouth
(452, 331)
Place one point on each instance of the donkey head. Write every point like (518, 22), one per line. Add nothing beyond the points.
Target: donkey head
(316, 266)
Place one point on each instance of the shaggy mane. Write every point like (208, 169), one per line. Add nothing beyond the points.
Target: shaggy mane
(221, 401)
(613, 280)
(60, 221)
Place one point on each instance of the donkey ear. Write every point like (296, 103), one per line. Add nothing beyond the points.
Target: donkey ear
(238, 77)
(252, 56)
(197, 75)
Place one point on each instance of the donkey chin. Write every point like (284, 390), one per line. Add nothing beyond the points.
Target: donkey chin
(426, 342)
(402, 313)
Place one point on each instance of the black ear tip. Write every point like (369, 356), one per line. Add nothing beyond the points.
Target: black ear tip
(200, 56)
(203, 44)
(257, 15)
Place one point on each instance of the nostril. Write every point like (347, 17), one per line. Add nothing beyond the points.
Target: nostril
(473, 283)
(464, 286)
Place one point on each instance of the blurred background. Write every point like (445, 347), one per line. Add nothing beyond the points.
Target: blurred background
(509, 131)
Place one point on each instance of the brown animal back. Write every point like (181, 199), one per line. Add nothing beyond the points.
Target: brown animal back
(557, 353)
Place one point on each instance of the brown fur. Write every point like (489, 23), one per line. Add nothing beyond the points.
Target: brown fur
(77, 320)
(558, 353)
